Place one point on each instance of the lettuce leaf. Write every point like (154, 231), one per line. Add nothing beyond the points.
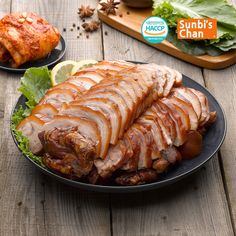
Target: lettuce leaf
(23, 142)
(34, 83)
(192, 47)
(221, 10)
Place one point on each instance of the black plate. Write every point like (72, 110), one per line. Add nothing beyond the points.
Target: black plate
(55, 56)
(211, 143)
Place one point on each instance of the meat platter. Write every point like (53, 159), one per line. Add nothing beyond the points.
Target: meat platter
(155, 165)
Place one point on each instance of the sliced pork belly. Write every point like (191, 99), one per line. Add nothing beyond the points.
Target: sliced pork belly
(183, 112)
(109, 109)
(146, 141)
(159, 141)
(73, 88)
(45, 109)
(114, 160)
(92, 74)
(144, 77)
(56, 97)
(205, 115)
(81, 82)
(160, 76)
(143, 90)
(102, 122)
(114, 86)
(165, 78)
(127, 92)
(132, 142)
(113, 65)
(117, 100)
(86, 127)
(30, 127)
(180, 130)
(192, 114)
(192, 98)
(165, 121)
(120, 155)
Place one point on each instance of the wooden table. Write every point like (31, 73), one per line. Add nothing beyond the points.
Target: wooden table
(33, 204)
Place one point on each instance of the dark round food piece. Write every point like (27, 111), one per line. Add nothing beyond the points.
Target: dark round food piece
(193, 146)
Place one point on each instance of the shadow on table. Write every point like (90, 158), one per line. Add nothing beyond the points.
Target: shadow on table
(165, 194)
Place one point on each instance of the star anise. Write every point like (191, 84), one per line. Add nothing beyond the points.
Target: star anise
(85, 11)
(91, 26)
(109, 7)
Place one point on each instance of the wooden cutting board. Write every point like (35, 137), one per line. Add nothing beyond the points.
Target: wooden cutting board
(129, 21)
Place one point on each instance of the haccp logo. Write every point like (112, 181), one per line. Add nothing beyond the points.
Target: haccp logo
(154, 29)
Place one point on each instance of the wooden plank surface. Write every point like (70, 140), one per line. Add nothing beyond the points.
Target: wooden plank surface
(196, 206)
(17, 193)
(223, 85)
(30, 203)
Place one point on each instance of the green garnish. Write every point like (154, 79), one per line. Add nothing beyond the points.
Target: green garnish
(221, 10)
(34, 84)
(23, 142)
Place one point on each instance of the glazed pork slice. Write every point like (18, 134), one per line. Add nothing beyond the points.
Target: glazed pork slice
(116, 157)
(31, 127)
(109, 109)
(122, 93)
(58, 96)
(96, 114)
(188, 106)
(96, 75)
(83, 83)
(93, 115)
(45, 109)
(165, 121)
(205, 115)
(86, 127)
(158, 131)
(114, 98)
(103, 87)
(146, 141)
(113, 65)
(165, 78)
(159, 140)
(66, 85)
(180, 130)
(192, 98)
(183, 114)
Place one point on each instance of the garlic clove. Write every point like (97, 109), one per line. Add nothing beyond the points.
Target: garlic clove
(21, 20)
(30, 20)
(24, 14)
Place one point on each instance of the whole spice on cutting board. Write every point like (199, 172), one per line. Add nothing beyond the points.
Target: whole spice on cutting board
(91, 26)
(109, 7)
(85, 11)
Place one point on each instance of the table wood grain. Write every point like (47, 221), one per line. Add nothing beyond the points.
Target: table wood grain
(34, 204)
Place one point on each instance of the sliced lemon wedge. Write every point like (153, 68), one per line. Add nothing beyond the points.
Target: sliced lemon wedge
(82, 64)
(61, 71)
